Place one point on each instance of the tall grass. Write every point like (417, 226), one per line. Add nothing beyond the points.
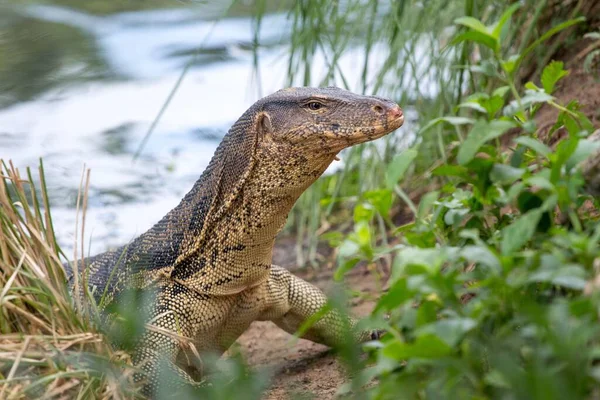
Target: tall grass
(47, 347)
(413, 68)
(419, 70)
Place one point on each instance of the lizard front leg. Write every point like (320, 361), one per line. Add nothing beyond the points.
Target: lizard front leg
(291, 301)
(177, 315)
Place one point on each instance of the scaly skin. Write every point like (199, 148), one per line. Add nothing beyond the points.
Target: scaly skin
(208, 261)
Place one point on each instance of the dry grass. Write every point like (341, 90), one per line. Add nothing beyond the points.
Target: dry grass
(48, 349)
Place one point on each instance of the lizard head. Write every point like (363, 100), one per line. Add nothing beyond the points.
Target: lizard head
(286, 140)
(324, 121)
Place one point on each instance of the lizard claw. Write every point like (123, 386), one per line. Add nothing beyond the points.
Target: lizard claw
(377, 334)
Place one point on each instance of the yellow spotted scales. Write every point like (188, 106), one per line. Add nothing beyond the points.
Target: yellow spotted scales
(208, 261)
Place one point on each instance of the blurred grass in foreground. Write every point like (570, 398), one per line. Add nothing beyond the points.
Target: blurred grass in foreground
(47, 347)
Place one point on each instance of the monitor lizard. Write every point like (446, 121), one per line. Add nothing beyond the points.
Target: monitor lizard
(208, 262)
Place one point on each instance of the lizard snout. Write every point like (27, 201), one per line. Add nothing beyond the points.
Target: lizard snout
(391, 116)
(395, 117)
(395, 112)
(390, 113)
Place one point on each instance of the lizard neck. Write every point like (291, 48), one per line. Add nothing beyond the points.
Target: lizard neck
(237, 248)
(276, 183)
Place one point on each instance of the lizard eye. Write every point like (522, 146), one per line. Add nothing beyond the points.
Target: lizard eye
(314, 105)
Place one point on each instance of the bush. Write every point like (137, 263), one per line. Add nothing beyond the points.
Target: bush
(493, 292)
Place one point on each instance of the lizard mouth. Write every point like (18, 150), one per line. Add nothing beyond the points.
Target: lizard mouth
(396, 122)
(366, 134)
(393, 119)
(388, 127)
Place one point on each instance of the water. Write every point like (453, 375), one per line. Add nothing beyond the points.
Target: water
(100, 123)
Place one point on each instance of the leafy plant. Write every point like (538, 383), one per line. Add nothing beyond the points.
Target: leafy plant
(492, 292)
(592, 54)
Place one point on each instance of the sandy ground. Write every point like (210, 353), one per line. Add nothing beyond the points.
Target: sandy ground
(303, 368)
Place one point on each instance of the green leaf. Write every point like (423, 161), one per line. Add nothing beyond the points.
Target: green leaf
(348, 248)
(451, 331)
(519, 232)
(395, 296)
(551, 74)
(564, 150)
(484, 103)
(501, 91)
(451, 120)
(534, 145)
(426, 204)
(474, 105)
(334, 238)
(483, 255)
(541, 182)
(425, 346)
(569, 276)
(426, 313)
(531, 97)
(493, 104)
(363, 212)
(381, 199)
(496, 378)
(497, 28)
(551, 32)
(581, 118)
(505, 174)
(396, 169)
(473, 23)
(532, 86)
(515, 191)
(430, 259)
(481, 132)
(362, 234)
(510, 64)
(451, 170)
(477, 37)
(455, 216)
(585, 148)
(423, 240)
(486, 67)
(345, 268)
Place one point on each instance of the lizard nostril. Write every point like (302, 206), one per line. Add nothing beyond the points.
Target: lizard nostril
(395, 112)
(378, 109)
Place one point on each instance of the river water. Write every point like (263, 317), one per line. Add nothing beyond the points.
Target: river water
(100, 123)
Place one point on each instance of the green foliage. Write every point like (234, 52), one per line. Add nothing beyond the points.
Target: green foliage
(398, 166)
(419, 52)
(492, 292)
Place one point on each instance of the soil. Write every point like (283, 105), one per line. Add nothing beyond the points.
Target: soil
(304, 368)
(311, 370)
